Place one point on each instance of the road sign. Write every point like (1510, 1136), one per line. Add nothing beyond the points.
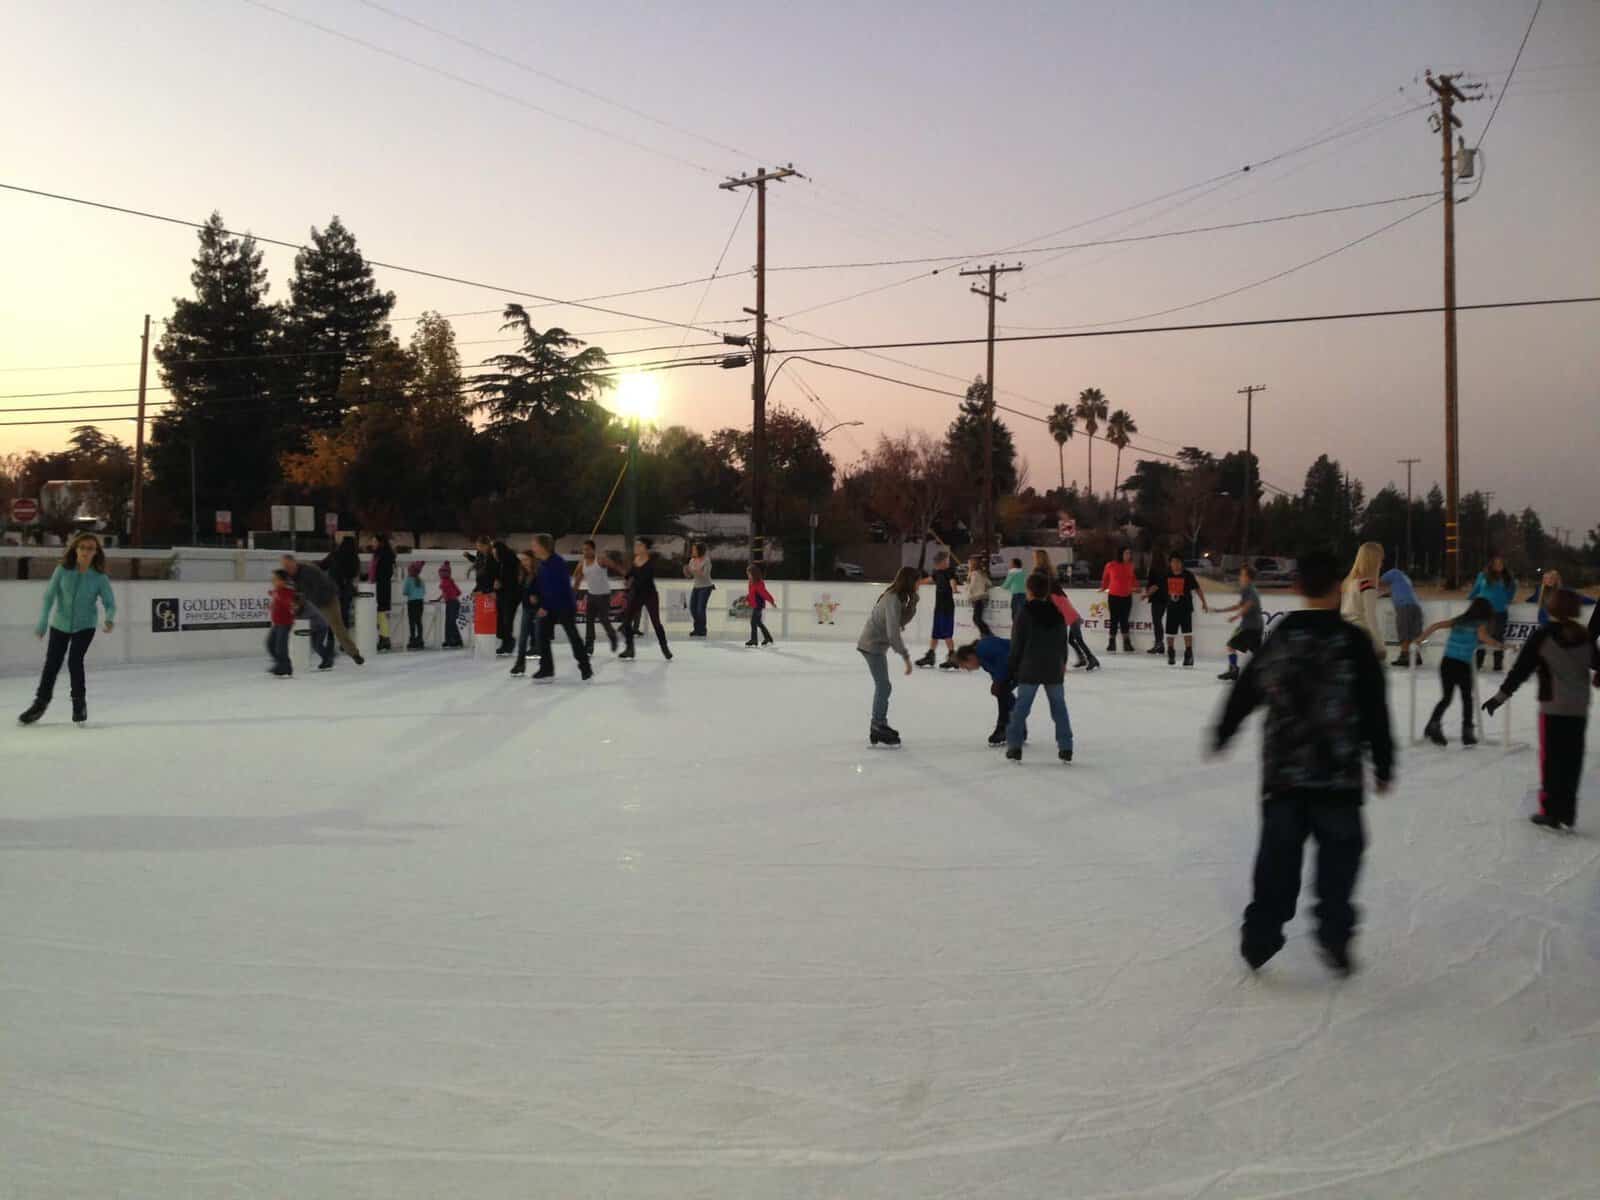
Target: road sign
(1067, 528)
(224, 521)
(24, 511)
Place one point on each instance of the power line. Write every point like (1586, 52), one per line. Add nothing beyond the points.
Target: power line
(1273, 278)
(464, 80)
(372, 262)
(1112, 241)
(1506, 86)
(555, 79)
(717, 269)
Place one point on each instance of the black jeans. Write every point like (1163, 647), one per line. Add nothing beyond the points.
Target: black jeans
(414, 622)
(1287, 819)
(651, 604)
(452, 622)
(548, 624)
(1004, 703)
(699, 602)
(1454, 673)
(758, 622)
(70, 647)
(1560, 766)
(1121, 609)
(1158, 618)
(598, 608)
(506, 605)
(1086, 656)
(978, 609)
(278, 648)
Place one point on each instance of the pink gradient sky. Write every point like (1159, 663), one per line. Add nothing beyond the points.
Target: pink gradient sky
(929, 128)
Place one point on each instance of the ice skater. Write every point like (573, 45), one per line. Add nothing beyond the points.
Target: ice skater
(281, 618)
(993, 655)
(1181, 589)
(1038, 659)
(450, 593)
(1155, 592)
(978, 586)
(1016, 585)
(1083, 656)
(381, 573)
(558, 609)
(698, 571)
(320, 595)
(527, 629)
(74, 600)
(416, 594)
(1396, 584)
(943, 578)
(1247, 612)
(1499, 587)
(893, 611)
(1564, 657)
(1467, 632)
(1358, 595)
(1117, 582)
(595, 578)
(642, 598)
(1324, 692)
(757, 596)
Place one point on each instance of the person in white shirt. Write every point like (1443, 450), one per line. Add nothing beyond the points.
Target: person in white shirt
(594, 580)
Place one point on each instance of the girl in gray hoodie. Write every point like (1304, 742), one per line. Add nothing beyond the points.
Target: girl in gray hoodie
(882, 633)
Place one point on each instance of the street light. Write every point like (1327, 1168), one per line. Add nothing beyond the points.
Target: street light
(637, 399)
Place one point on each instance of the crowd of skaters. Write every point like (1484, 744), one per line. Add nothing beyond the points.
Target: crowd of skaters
(1319, 675)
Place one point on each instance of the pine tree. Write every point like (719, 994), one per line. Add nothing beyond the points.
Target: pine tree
(336, 317)
(231, 410)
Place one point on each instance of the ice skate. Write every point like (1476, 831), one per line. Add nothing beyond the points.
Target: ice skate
(80, 710)
(1172, 656)
(1337, 959)
(1435, 735)
(1230, 674)
(33, 712)
(1468, 738)
(1064, 755)
(882, 735)
(1014, 753)
(997, 738)
(1188, 657)
(926, 660)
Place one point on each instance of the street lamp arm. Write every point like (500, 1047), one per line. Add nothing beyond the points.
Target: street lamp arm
(840, 425)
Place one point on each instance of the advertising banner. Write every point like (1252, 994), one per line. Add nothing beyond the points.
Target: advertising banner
(209, 613)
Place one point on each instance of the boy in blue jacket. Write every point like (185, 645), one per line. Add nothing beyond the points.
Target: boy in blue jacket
(993, 654)
(557, 607)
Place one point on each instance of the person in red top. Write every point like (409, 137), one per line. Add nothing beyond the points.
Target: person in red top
(1069, 613)
(1117, 581)
(758, 598)
(282, 618)
(450, 593)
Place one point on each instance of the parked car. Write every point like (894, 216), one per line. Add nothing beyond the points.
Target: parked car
(1272, 571)
(849, 570)
(1073, 574)
(1204, 567)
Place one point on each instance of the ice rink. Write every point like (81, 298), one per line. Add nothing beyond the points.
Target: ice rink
(421, 930)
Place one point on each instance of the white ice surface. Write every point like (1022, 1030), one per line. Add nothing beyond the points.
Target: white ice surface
(420, 930)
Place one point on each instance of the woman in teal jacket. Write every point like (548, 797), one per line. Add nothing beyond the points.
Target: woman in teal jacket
(69, 616)
(1499, 587)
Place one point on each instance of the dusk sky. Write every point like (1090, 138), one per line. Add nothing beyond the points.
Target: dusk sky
(931, 128)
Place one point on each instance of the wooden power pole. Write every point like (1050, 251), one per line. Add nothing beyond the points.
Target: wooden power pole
(758, 385)
(138, 438)
(1408, 463)
(1445, 123)
(993, 271)
(1249, 394)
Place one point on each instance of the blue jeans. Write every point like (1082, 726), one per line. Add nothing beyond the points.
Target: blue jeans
(699, 601)
(878, 665)
(1056, 694)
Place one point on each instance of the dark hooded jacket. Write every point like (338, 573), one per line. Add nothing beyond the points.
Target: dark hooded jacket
(1039, 644)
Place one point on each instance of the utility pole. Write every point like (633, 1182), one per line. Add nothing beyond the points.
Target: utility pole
(1445, 123)
(1409, 463)
(992, 271)
(1249, 394)
(138, 439)
(1488, 507)
(758, 386)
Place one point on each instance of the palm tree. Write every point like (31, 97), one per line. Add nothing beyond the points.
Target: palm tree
(1063, 424)
(1120, 429)
(1091, 410)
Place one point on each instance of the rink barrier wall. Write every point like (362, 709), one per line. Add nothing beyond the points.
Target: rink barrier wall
(171, 620)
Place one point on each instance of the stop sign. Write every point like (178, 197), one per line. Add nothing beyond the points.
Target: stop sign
(24, 512)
